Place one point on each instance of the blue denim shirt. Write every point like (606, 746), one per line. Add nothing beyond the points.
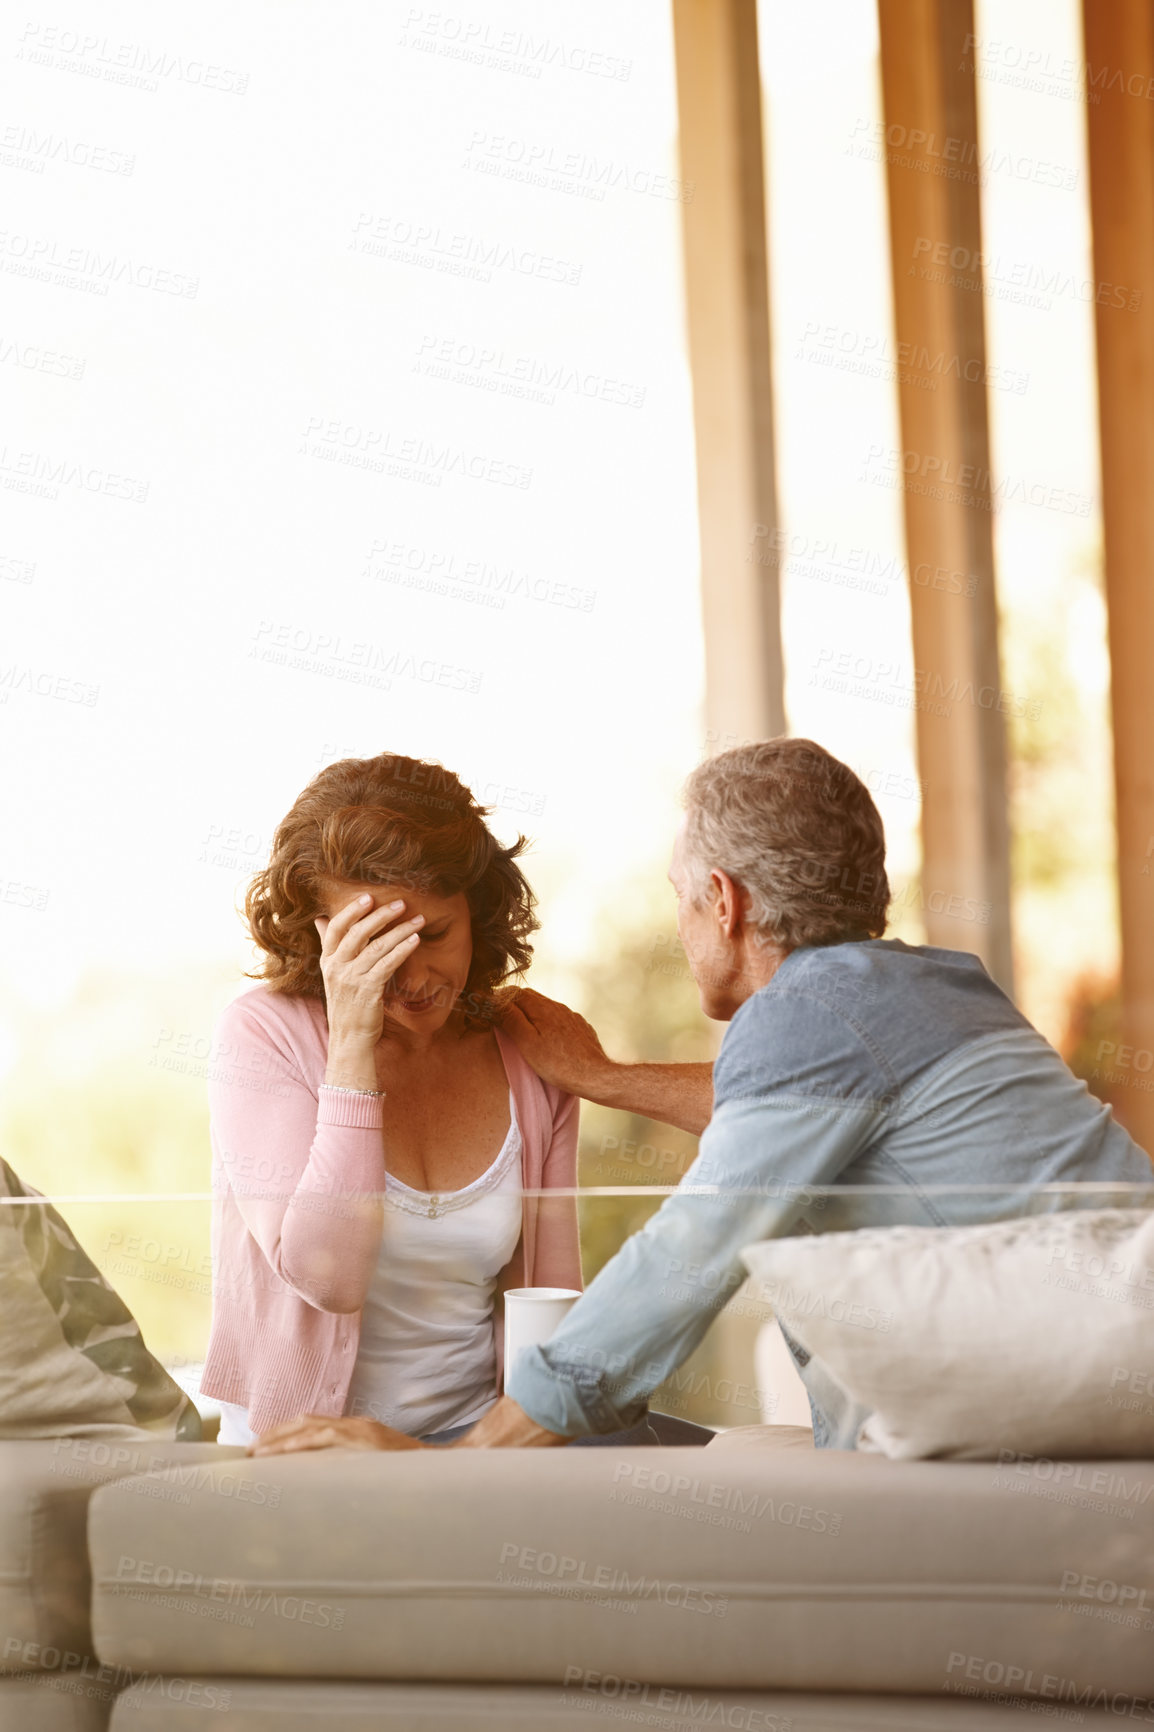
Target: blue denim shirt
(872, 1064)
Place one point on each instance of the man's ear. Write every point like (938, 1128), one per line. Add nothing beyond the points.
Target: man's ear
(729, 902)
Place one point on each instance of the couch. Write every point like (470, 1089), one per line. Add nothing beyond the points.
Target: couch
(50, 1677)
(754, 1584)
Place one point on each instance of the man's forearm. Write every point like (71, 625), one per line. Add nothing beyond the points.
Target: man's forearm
(672, 1094)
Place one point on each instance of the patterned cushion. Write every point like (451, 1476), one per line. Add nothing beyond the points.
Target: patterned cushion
(72, 1358)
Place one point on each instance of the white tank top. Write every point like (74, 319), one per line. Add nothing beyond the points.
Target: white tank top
(426, 1358)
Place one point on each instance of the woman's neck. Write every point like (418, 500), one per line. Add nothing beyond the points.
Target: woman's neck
(415, 1044)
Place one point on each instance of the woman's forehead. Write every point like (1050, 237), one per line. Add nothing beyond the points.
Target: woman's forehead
(336, 893)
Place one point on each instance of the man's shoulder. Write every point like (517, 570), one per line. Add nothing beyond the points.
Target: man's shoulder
(806, 1033)
(847, 977)
(871, 977)
(848, 980)
(859, 1017)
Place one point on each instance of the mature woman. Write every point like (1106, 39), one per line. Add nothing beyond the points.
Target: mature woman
(376, 1139)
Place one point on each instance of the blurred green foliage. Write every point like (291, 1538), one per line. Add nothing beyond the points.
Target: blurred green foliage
(640, 997)
(1093, 1036)
(1061, 792)
(104, 1104)
(1059, 746)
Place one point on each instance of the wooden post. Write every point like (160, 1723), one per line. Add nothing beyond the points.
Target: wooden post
(930, 146)
(727, 301)
(1120, 114)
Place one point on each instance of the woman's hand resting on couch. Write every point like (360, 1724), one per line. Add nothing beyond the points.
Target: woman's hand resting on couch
(505, 1426)
(315, 1431)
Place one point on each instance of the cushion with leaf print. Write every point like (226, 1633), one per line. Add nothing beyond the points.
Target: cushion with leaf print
(72, 1359)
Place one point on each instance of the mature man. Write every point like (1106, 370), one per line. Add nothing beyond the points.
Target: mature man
(850, 1061)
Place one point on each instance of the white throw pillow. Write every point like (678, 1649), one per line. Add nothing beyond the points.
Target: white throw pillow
(1034, 1336)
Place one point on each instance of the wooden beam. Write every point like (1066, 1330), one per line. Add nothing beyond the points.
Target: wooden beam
(1120, 79)
(727, 304)
(934, 206)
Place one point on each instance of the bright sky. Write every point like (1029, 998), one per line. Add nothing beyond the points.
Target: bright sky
(335, 485)
(270, 605)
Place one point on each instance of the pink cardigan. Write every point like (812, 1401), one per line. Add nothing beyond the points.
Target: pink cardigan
(294, 1245)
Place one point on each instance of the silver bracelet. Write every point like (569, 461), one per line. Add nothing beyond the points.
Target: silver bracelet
(340, 1089)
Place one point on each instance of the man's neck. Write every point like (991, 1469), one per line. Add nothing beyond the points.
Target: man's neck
(760, 962)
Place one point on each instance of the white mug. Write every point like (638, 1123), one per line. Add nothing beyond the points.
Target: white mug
(531, 1315)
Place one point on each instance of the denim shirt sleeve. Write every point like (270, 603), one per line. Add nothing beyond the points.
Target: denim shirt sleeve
(821, 1093)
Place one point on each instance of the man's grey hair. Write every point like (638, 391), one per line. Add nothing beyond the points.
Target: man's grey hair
(799, 832)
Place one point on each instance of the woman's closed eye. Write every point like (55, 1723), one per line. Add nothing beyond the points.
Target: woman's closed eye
(432, 937)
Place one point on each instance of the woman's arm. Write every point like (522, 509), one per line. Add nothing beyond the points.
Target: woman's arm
(320, 1227)
(306, 1173)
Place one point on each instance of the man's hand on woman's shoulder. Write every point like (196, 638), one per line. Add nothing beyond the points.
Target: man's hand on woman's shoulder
(565, 1051)
(560, 1045)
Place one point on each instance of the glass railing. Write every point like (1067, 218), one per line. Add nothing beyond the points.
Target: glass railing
(156, 1252)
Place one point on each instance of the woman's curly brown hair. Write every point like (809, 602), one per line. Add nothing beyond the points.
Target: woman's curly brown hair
(390, 820)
